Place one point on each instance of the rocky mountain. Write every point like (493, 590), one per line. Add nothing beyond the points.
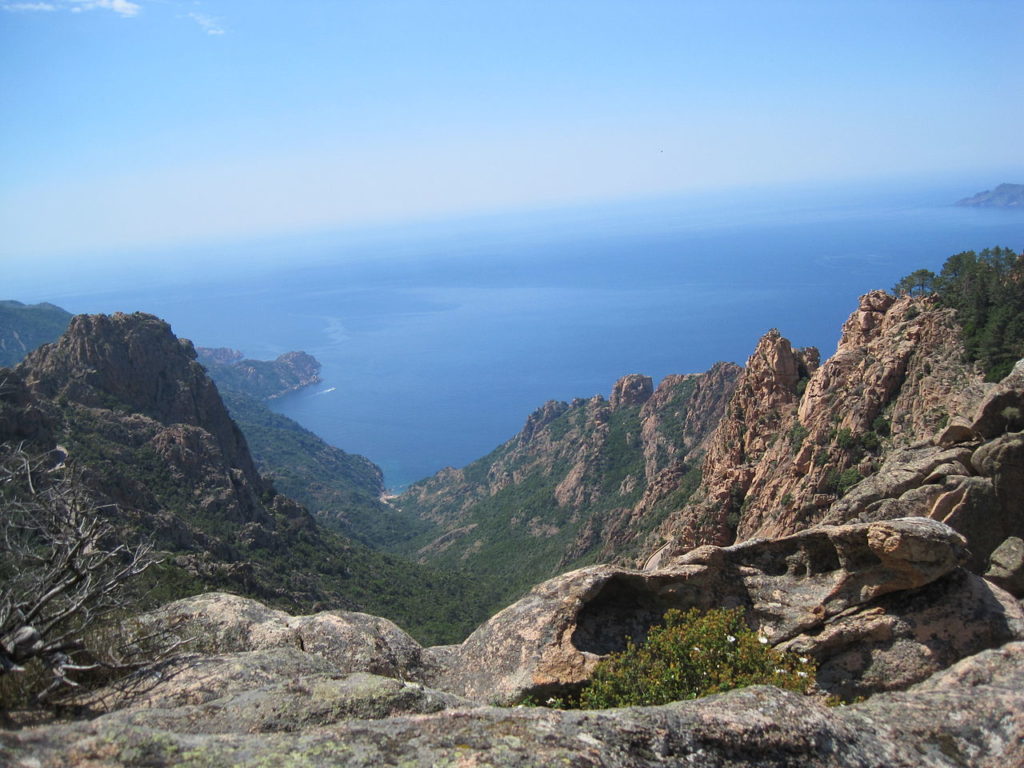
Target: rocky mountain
(261, 379)
(582, 482)
(124, 401)
(895, 414)
(1003, 196)
(23, 327)
(342, 490)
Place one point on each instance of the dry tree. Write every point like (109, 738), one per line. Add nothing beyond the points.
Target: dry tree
(64, 574)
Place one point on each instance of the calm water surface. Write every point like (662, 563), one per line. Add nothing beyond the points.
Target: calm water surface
(438, 340)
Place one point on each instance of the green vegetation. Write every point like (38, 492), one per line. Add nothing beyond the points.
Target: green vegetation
(987, 292)
(839, 482)
(23, 327)
(690, 656)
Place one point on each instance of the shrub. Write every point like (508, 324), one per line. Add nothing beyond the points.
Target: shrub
(845, 438)
(870, 442)
(690, 656)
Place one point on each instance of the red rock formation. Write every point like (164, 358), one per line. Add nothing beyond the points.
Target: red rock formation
(796, 435)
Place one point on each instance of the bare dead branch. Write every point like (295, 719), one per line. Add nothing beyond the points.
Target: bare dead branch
(62, 572)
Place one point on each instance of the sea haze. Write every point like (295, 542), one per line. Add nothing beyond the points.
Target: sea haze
(438, 340)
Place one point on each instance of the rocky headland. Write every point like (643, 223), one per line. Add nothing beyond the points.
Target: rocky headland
(266, 379)
(1003, 196)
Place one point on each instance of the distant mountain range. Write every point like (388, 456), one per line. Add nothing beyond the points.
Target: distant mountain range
(1003, 196)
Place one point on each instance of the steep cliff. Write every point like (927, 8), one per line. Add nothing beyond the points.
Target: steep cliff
(582, 481)
(797, 436)
(125, 402)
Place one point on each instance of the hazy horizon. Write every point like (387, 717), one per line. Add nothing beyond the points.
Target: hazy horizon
(140, 127)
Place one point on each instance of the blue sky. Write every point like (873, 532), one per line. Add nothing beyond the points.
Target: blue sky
(142, 124)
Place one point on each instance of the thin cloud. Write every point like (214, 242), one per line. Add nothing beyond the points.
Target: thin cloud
(120, 7)
(29, 7)
(209, 24)
(126, 9)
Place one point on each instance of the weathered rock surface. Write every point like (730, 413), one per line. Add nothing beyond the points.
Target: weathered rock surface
(348, 641)
(279, 690)
(971, 714)
(883, 607)
(634, 389)
(977, 489)
(879, 605)
(1006, 566)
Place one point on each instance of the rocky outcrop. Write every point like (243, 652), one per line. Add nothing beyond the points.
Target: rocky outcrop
(347, 641)
(796, 436)
(634, 389)
(1006, 566)
(978, 489)
(884, 608)
(590, 475)
(879, 606)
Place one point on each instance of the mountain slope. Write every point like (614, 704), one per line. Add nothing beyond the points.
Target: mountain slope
(342, 490)
(23, 327)
(571, 487)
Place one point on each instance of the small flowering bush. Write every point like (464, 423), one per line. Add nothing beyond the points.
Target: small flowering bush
(694, 654)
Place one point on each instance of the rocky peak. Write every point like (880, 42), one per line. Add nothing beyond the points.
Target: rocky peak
(135, 362)
(631, 390)
(540, 418)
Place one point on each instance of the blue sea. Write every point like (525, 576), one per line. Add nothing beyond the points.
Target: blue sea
(439, 338)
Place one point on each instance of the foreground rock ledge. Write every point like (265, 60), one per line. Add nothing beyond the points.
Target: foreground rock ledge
(971, 714)
(879, 606)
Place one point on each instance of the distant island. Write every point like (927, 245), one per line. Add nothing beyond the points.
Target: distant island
(1003, 196)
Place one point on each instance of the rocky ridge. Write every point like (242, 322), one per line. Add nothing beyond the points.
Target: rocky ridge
(581, 482)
